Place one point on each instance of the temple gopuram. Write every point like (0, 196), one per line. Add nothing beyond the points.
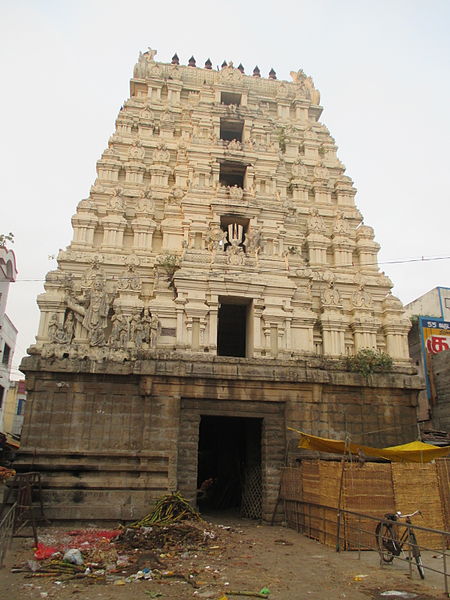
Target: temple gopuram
(219, 279)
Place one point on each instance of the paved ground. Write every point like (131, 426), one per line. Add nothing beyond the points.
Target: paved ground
(247, 557)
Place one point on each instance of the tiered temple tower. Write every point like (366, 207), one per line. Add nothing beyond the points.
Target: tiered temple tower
(218, 276)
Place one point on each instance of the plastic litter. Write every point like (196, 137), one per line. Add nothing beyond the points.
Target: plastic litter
(359, 577)
(73, 556)
(398, 594)
(42, 552)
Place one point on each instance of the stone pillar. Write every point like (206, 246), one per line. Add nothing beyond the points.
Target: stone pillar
(364, 332)
(213, 304)
(317, 248)
(333, 333)
(367, 248)
(181, 340)
(345, 192)
(395, 328)
(143, 229)
(342, 250)
(159, 175)
(83, 229)
(113, 229)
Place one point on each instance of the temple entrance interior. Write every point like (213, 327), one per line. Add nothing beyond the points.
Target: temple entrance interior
(232, 327)
(229, 463)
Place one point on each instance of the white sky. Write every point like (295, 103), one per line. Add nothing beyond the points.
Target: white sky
(382, 67)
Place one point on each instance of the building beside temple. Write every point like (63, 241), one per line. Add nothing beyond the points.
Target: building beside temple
(8, 332)
(218, 276)
(428, 338)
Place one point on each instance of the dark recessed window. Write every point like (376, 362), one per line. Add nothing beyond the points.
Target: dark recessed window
(230, 98)
(232, 173)
(6, 354)
(232, 326)
(231, 129)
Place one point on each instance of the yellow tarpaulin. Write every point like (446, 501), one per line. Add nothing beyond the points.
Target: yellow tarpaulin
(418, 452)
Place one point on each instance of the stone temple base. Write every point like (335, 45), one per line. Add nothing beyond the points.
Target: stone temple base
(110, 438)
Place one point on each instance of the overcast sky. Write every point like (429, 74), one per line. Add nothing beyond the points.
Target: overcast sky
(382, 68)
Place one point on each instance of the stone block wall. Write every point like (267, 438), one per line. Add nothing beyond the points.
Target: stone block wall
(109, 438)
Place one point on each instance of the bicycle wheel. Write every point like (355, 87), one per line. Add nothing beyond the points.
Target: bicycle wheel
(385, 541)
(416, 553)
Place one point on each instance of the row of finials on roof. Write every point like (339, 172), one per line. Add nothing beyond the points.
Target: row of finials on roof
(208, 65)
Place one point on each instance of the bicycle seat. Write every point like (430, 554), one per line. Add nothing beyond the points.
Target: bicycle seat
(391, 516)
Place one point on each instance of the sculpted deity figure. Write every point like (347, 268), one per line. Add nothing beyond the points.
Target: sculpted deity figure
(234, 145)
(235, 192)
(297, 76)
(340, 224)
(360, 297)
(215, 238)
(116, 202)
(331, 296)
(136, 151)
(129, 280)
(253, 240)
(313, 93)
(119, 330)
(137, 334)
(182, 156)
(155, 330)
(176, 195)
(53, 328)
(161, 154)
(315, 221)
(146, 322)
(166, 118)
(235, 254)
(145, 206)
(320, 171)
(146, 113)
(69, 328)
(92, 310)
(299, 169)
(150, 54)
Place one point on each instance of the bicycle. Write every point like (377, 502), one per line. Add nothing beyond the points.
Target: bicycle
(390, 544)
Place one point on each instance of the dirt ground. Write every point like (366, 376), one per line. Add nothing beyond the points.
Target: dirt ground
(239, 556)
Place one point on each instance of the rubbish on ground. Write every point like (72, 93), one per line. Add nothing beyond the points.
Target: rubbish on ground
(283, 542)
(359, 577)
(264, 590)
(6, 473)
(73, 556)
(42, 552)
(253, 594)
(398, 594)
(169, 509)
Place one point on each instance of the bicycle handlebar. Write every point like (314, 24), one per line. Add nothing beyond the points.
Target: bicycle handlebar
(401, 516)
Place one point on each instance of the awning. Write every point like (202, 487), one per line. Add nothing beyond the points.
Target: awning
(418, 452)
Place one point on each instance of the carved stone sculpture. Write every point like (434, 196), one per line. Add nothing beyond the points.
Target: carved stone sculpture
(315, 222)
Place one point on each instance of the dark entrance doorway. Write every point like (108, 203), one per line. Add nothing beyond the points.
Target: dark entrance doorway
(229, 464)
(232, 326)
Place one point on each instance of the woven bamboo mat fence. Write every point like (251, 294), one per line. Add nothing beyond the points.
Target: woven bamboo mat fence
(367, 489)
(373, 489)
(417, 487)
(443, 472)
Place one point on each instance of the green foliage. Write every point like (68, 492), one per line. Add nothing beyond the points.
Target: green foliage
(170, 263)
(6, 237)
(282, 139)
(368, 361)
